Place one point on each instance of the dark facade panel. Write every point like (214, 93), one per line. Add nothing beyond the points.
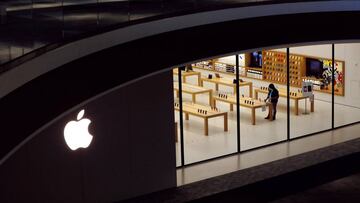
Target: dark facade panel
(38, 102)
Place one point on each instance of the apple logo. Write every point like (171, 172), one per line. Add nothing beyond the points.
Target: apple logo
(76, 133)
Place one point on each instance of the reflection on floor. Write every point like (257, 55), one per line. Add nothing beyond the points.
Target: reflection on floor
(264, 155)
(199, 147)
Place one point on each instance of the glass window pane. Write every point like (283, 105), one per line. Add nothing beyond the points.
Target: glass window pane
(263, 110)
(16, 22)
(347, 84)
(310, 64)
(145, 8)
(111, 12)
(86, 10)
(19, 10)
(176, 85)
(210, 120)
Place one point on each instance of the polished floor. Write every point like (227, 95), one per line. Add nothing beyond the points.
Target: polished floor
(198, 147)
(201, 171)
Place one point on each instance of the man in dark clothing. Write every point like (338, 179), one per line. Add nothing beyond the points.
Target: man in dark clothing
(272, 97)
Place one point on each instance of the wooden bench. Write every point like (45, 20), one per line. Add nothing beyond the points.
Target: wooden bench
(202, 111)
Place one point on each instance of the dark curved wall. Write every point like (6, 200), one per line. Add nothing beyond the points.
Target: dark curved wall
(44, 98)
(128, 156)
(39, 101)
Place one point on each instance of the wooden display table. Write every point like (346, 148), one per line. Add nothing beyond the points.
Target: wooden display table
(227, 82)
(193, 90)
(296, 96)
(204, 112)
(185, 74)
(247, 102)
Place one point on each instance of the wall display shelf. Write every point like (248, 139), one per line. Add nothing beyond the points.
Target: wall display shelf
(216, 65)
(220, 67)
(274, 68)
(254, 73)
(207, 65)
(271, 66)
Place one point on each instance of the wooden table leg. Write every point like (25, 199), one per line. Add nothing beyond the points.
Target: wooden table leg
(312, 106)
(206, 126)
(216, 87)
(186, 116)
(297, 107)
(201, 83)
(251, 90)
(184, 79)
(210, 98)
(176, 132)
(177, 93)
(214, 103)
(235, 89)
(225, 122)
(193, 98)
(253, 116)
(256, 94)
(199, 78)
(231, 107)
(270, 112)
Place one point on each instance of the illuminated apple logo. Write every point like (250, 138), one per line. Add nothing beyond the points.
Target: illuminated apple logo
(76, 133)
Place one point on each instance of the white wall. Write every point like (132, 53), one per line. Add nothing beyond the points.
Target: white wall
(350, 53)
(232, 59)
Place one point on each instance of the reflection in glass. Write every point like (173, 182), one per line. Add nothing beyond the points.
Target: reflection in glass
(145, 8)
(111, 12)
(86, 10)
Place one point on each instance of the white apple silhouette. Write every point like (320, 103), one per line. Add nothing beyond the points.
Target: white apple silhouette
(76, 133)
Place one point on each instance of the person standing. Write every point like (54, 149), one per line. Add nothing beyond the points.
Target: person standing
(272, 97)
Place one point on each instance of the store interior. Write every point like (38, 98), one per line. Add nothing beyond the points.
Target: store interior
(209, 98)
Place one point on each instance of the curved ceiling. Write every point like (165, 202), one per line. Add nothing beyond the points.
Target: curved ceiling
(50, 60)
(35, 103)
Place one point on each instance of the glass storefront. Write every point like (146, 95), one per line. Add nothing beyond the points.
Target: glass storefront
(242, 102)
